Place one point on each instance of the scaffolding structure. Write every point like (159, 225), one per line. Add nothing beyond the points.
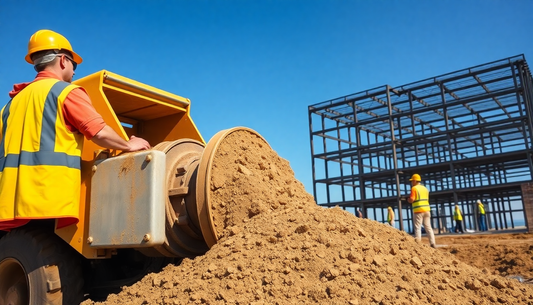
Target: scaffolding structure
(467, 133)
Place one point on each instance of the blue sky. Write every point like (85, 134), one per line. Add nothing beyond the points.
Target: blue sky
(259, 63)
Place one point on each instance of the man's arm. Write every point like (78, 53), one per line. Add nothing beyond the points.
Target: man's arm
(108, 138)
(81, 116)
(412, 197)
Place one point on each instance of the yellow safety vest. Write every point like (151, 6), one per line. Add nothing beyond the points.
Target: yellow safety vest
(457, 215)
(39, 157)
(390, 216)
(481, 209)
(421, 202)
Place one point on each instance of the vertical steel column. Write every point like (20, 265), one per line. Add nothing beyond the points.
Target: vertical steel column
(394, 157)
(326, 171)
(359, 159)
(351, 163)
(438, 217)
(470, 213)
(447, 120)
(339, 147)
(413, 126)
(312, 152)
(397, 173)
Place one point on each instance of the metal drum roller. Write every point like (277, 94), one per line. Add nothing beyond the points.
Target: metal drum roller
(190, 229)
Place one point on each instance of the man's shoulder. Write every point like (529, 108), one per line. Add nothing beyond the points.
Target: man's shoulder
(421, 186)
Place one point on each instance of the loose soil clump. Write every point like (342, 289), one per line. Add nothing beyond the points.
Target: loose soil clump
(276, 246)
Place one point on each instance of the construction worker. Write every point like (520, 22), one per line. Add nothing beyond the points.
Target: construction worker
(41, 137)
(359, 213)
(458, 217)
(419, 199)
(481, 216)
(390, 216)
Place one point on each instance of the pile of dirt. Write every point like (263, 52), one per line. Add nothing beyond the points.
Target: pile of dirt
(249, 178)
(278, 247)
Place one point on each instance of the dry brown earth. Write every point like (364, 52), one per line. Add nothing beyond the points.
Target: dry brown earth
(502, 254)
(284, 249)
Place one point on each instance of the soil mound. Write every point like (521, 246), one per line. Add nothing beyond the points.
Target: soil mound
(249, 178)
(276, 246)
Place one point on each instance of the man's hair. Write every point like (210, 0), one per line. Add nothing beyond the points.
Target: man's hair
(40, 54)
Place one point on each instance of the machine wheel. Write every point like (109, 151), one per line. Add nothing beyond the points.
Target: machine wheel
(37, 267)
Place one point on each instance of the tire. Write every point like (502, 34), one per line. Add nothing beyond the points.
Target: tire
(37, 267)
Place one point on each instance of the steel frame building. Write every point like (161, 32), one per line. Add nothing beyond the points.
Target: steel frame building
(467, 133)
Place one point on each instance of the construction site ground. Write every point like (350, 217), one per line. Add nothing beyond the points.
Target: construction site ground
(504, 252)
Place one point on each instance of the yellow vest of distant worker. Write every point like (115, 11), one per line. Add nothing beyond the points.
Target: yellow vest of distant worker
(421, 202)
(39, 157)
(390, 216)
(457, 215)
(481, 209)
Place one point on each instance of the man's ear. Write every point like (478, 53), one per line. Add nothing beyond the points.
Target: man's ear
(62, 62)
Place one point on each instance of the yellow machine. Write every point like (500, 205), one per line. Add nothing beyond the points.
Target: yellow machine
(130, 108)
(138, 211)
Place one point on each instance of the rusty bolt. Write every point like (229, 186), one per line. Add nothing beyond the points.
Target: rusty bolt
(148, 158)
(146, 237)
(90, 240)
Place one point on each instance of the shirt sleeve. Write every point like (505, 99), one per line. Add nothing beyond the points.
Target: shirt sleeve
(80, 115)
(413, 194)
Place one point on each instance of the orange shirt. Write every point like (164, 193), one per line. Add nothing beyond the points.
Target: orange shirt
(80, 115)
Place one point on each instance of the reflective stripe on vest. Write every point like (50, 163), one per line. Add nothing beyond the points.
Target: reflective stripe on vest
(421, 202)
(39, 157)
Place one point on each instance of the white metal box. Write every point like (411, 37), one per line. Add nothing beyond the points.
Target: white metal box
(127, 207)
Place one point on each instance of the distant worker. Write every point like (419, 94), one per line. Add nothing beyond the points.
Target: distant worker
(481, 216)
(41, 137)
(359, 213)
(390, 216)
(419, 199)
(458, 217)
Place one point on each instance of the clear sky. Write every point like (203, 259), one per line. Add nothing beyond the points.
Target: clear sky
(259, 63)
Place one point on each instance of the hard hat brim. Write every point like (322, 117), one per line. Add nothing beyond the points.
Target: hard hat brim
(75, 57)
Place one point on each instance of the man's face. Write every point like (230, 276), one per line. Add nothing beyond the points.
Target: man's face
(69, 67)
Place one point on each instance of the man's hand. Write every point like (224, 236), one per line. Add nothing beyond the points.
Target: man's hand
(136, 144)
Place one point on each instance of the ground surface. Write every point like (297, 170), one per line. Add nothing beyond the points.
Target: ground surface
(276, 246)
(503, 254)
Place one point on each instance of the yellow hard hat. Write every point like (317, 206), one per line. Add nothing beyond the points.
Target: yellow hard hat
(49, 40)
(415, 177)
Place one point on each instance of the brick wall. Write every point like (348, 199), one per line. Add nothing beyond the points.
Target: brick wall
(527, 194)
